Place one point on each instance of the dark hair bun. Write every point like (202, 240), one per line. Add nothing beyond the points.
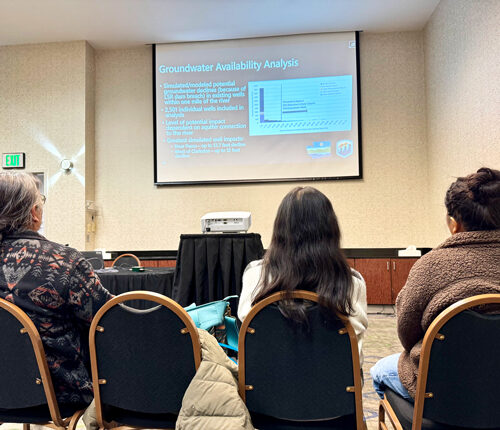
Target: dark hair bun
(474, 200)
(484, 185)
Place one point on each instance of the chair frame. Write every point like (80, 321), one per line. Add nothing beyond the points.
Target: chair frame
(92, 256)
(313, 297)
(30, 329)
(94, 328)
(431, 334)
(126, 255)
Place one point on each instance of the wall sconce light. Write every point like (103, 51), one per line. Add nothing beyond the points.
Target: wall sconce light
(66, 165)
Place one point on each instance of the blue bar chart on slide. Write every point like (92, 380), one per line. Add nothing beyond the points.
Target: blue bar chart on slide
(294, 106)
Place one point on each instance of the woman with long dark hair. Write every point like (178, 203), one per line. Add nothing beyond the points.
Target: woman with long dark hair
(305, 254)
(464, 265)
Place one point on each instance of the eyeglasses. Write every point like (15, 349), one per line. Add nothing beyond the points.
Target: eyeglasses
(44, 199)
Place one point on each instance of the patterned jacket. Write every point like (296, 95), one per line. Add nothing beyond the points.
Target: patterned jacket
(59, 291)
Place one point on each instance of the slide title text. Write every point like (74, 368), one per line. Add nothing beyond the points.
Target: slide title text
(231, 66)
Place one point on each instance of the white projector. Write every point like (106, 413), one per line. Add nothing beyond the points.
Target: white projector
(226, 222)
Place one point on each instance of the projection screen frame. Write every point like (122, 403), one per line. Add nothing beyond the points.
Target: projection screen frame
(265, 180)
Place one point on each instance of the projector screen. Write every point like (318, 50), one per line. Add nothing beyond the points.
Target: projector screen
(250, 110)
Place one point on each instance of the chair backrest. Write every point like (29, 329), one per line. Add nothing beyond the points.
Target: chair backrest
(298, 372)
(126, 261)
(459, 375)
(95, 258)
(25, 380)
(142, 360)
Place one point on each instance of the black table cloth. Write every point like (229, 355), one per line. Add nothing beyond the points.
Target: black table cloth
(210, 266)
(157, 279)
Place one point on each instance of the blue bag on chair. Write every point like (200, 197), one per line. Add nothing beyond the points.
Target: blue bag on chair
(232, 333)
(208, 315)
(213, 314)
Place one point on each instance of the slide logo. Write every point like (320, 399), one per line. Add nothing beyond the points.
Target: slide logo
(344, 148)
(320, 149)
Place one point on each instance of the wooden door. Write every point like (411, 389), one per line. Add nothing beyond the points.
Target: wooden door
(350, 262)
(400, 268)
(378, 279)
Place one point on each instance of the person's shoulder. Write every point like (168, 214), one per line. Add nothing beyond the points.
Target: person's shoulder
(456, 250)
(254, 266)
(357, 278)
(434, 258)
(64, 252)
(358, 284)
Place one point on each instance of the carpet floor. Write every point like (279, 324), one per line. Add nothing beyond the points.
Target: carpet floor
(380, 340)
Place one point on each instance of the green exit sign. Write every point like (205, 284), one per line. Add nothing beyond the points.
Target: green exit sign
(13, 161)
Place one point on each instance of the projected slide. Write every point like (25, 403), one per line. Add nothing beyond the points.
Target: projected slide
(248, 110)
(294, 106)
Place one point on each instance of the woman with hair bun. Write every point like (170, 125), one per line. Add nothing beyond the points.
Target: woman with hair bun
(464, 265)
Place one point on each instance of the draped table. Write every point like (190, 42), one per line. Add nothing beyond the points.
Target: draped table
(121, 280)
(210, 266)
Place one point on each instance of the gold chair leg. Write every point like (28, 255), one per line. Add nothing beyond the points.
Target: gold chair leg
(74, 419)
(381, 417)
(385, 408)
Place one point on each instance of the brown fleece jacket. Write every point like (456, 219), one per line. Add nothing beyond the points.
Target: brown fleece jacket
(465, 265)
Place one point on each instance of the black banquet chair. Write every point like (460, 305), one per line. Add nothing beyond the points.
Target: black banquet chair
(95, 259)
(142, 361)
(458, 385)
(303, 376)
(126, 261)
(26, 390)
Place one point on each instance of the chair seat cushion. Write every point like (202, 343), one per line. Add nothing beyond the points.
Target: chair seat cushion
(37, 414)
(404, 411)
(263, 422)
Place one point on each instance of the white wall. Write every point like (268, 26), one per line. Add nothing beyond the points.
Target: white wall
(462, 70)
(42, 113)
(90, 220)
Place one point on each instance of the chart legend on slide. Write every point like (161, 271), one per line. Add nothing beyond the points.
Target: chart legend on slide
(294, 106)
